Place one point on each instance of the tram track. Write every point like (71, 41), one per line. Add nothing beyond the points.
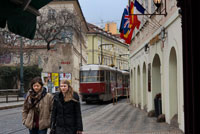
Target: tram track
(13, 131)
(9, 114)
(21, 129)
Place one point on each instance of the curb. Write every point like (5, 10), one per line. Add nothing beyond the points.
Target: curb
(12, 106)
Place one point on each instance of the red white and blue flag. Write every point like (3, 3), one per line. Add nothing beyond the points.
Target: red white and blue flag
(130, 21)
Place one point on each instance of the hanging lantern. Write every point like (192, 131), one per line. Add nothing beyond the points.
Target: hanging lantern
(157, 3)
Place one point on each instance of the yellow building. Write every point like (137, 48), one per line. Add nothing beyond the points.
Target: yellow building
(106, 49)
(111, 27)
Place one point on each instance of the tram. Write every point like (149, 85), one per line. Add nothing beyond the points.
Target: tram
(98, 81)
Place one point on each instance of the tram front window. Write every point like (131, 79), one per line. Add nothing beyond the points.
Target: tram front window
(92, 76)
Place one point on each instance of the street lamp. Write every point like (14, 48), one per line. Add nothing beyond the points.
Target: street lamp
(21, 69)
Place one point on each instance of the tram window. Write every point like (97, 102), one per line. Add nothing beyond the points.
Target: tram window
(92, 76)
(113, 76)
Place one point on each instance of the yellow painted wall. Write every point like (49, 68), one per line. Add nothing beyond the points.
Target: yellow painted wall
(108, 50)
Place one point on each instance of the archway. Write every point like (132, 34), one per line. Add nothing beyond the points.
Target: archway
(131, 86)
(173, 98)
(156, 77)
(144, 86)
(134, 86)
(138, 87)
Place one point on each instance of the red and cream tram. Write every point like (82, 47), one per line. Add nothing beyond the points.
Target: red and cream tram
(97, 82)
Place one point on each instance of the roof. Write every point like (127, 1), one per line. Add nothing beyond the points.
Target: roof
(97, 30)
(96, 67)
(28, 47)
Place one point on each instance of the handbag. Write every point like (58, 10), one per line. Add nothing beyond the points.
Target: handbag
(52, 131)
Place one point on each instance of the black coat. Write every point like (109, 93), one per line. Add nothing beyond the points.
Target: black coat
(66, 116)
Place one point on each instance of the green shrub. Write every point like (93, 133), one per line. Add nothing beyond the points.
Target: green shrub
(9, 76)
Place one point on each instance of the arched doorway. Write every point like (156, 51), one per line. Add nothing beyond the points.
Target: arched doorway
(138, 87)
(134, 86)
(131, 86)
(156, 77)
(144, 86)
(173, 98)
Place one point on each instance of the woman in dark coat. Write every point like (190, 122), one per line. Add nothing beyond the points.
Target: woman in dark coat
(66, 115)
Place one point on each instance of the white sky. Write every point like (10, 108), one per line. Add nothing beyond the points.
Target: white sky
(96, 11)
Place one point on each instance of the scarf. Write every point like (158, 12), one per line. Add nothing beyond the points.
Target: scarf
(34, 98)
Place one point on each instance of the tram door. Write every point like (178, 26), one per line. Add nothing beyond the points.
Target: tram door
(108, 82)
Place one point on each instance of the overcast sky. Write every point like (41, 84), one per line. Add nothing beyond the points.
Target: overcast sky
(96, 11)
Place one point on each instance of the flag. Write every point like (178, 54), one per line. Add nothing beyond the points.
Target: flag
(125, 21)
(138, 9)
(125, 24)
(130, 21)
(133, 23)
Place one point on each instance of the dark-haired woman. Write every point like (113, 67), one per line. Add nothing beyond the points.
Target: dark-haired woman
(66, 115)
(37, 108)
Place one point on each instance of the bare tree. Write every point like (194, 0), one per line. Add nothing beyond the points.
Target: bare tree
(57, 26)
(53, 26)
(7, 39)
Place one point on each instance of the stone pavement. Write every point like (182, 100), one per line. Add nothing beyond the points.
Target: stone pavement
(123, 118)
(12, 102)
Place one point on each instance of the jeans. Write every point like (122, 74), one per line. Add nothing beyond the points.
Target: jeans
(37, 131)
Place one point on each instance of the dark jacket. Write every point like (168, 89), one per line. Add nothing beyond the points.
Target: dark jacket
(66, 116)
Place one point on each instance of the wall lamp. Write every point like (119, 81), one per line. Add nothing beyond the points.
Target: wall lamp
(157, 3)
(146, 48)
(163, 34)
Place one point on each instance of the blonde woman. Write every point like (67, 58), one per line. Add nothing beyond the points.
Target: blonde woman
(66, 115)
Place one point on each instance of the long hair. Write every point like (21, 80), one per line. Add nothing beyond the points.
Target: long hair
(69, 94)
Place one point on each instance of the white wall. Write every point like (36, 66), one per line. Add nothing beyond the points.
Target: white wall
(173, 39)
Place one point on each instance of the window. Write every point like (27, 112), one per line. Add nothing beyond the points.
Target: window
(99, 59)
(51, 13)
(99, 43)
(92, 76)
(153, 7)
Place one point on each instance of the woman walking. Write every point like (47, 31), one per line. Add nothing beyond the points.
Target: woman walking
(66, 115)
(37, 108)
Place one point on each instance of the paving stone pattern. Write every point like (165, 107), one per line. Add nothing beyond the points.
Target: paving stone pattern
(123, 118)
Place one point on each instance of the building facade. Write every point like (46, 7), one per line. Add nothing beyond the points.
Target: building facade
(106, 49)
(111, 27)
(156, 67)
(63, 57)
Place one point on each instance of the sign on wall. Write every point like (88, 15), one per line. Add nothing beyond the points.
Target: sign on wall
(55, 79)
(66, 76)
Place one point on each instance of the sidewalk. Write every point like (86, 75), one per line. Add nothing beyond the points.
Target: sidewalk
(12, 102)
(123, 118)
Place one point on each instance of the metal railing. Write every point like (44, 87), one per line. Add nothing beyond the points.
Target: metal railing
(5, 94)
(115, 94)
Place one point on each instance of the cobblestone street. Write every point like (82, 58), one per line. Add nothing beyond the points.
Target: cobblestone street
(123, 118)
